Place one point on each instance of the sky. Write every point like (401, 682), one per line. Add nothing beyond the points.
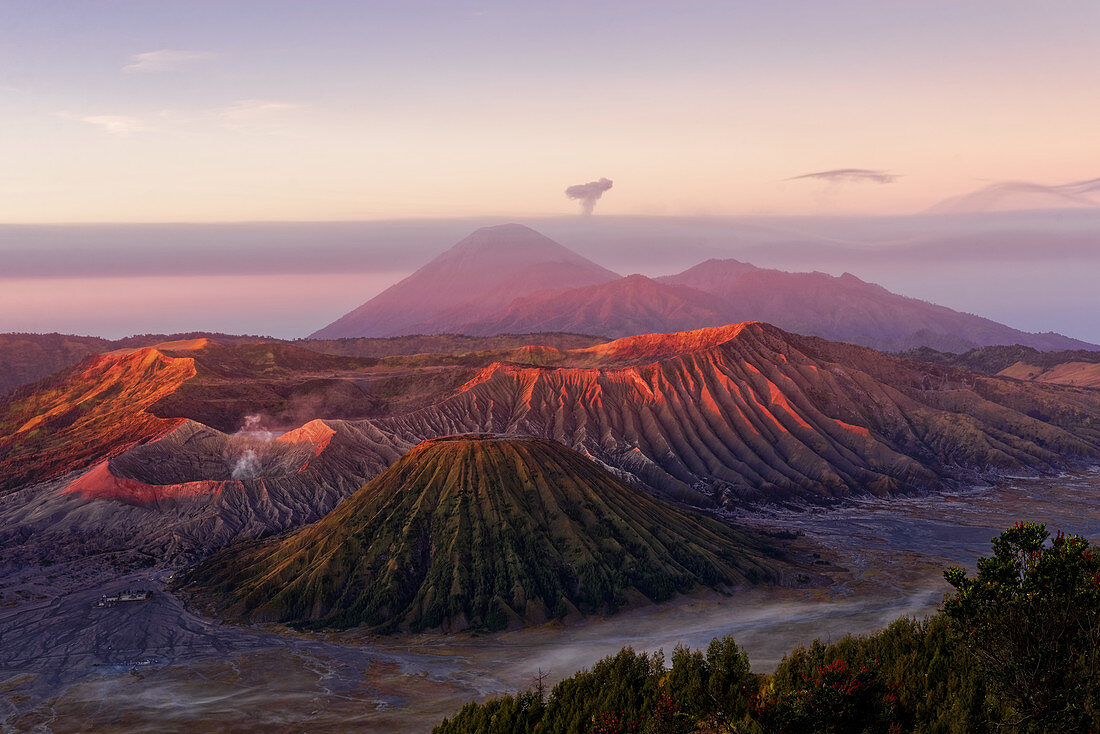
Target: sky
(263, 166)
(246, 110)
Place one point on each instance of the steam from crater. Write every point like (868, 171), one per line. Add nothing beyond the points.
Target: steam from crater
(253, 428)
(249, 449)
(247, 466)
(588, 193)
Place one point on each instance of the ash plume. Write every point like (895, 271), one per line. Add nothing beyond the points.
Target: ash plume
(850, 175)
(588, 193)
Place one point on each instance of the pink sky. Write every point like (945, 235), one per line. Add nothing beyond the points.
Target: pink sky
(182, 111)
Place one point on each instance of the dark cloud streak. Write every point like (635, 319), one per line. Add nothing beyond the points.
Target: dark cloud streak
(849, 175)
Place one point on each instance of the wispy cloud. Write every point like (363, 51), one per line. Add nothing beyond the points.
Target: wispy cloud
(252, 115)
(111, 124)
(850, 175)
(253, 109)
(1014, 195)
(164, 59)
(255, 115)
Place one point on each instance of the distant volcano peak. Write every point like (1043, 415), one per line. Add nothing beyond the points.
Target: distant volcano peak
(515, 243)
(483, 271)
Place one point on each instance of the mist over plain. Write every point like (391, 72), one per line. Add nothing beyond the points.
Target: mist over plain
(1032, 270)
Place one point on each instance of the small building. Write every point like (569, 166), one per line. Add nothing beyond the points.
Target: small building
(125, 596)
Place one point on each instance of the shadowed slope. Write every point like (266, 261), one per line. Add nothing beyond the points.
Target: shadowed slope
(631, 305)
(1080, 368)
(26, 358)
(453, 344)
(1080, 374)
(480, 532)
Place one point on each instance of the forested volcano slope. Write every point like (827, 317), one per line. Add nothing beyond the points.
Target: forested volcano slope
(482, 532)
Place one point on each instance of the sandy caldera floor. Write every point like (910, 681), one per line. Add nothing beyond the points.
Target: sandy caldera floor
(66, 666)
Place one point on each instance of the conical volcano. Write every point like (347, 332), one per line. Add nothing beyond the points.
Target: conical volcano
(474, 278)
(481, 532)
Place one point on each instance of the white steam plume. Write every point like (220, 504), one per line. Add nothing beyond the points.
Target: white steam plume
(247, 466)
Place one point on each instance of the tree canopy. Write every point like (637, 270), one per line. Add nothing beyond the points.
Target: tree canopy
(1015, 649)
(1031, 617)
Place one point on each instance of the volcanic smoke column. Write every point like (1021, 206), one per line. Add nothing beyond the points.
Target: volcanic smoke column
(588, 193)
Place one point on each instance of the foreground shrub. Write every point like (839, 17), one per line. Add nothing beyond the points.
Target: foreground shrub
(1031, 618)
(1016, 649)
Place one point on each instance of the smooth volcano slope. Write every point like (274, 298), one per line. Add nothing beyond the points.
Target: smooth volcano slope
(479, 274)
(481, 532)
(749, 411)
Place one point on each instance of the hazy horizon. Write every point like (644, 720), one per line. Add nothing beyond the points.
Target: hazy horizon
(1030, 270)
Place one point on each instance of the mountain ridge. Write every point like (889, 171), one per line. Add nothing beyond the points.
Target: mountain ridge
(261, 438)
(714, 292)
(753, 413)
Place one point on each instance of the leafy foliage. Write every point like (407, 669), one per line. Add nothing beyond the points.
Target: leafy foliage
(1031, 617)
(717, 685)
(939, 687)
(1015, 645)
(835, 698)
(626, 693)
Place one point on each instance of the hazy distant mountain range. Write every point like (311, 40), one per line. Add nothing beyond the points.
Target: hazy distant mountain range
(510, 279)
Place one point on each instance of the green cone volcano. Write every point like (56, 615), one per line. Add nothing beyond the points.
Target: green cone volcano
(481, 532)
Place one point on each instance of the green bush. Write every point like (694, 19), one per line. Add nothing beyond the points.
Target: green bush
(1016, 649)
